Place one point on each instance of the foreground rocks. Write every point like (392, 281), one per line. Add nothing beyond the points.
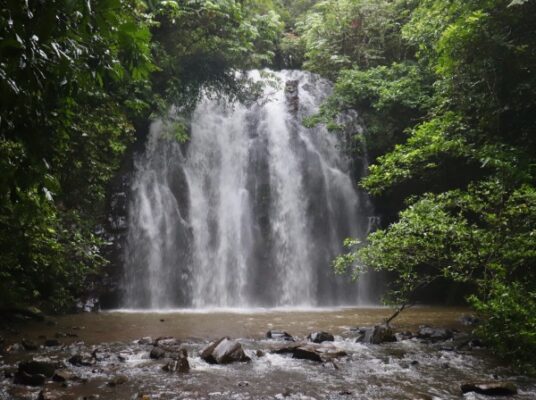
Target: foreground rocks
(309, 351)
(279, 335)
(79, 371)
(434, 334)
(224, 351)
(376, 335)
(319, 337)
(35, 372)
(490, 388)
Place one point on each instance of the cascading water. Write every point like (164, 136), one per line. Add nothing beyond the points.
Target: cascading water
(249, 213)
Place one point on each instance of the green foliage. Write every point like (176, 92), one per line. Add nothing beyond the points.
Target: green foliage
(65, 73)
(352, 33)
(75, 78)
(509, 321)
(389, 99)
(424, 151)
(201, 44)
(462, 164)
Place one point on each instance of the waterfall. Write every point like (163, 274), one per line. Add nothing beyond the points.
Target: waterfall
(250, 212)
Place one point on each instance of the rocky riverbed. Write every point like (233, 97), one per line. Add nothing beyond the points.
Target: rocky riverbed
(343, 362)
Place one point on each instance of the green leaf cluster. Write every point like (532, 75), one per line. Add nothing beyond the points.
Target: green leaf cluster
(79, 83)
(451, 123)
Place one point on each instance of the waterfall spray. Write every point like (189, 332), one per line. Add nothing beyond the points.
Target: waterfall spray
(249, 213)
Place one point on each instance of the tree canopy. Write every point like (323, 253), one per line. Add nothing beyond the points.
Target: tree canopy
(451, 123)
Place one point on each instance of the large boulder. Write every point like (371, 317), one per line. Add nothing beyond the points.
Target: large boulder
(490, 388)
(319, 337)
(35, 372)
(44, 367)
(23, 378)
(224, 351)
(157, 353)
(285, 348)
(307, 353)
(179, 363)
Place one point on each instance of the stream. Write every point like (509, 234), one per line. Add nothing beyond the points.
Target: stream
(120, 366)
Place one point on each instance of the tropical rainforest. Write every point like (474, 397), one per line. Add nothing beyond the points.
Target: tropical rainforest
(445, 88)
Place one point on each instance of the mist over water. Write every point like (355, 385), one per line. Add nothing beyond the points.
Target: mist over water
(249, 213)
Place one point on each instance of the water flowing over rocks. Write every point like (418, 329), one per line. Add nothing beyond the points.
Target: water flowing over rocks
(224, 351)
(194, 369)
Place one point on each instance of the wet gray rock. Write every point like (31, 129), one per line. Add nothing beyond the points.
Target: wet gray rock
(206, 352)
(306, 353)
(118, 380)
(322, 352)
(36, 366)
(157, 353)
(292, 95)
(406, 335)
(180, 365)
(279, 335)
(328, 351)
(434, 334)
(285, 348)
(167, 342)
(490, 388)
(145, 340)
(224, 351)
(376, 335)
(319, 337)
(82, 360)
(63, 375)
(24, 378)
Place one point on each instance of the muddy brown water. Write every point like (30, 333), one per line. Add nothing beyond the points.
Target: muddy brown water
(126, 325)
(409, 369)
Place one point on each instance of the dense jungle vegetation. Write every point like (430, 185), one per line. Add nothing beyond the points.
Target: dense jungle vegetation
(446, 89)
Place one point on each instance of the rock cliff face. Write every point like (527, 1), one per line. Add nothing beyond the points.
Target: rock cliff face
(106, 289)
